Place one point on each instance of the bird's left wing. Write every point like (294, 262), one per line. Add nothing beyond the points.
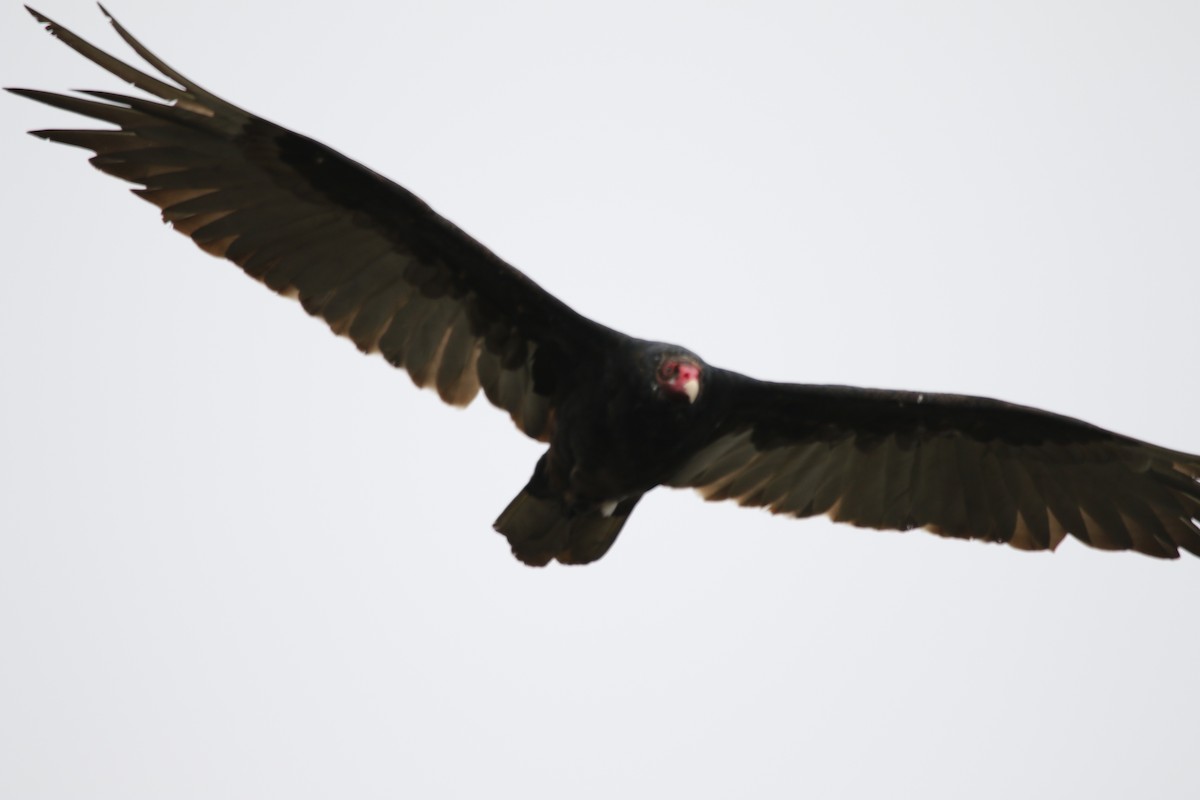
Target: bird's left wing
(364, 254)
(967, 467)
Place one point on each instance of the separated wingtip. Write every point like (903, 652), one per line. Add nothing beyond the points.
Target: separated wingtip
(39, 16)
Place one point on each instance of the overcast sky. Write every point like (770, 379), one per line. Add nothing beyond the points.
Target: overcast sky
(240, 560)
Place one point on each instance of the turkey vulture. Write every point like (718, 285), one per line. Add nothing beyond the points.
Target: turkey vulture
(620, 415)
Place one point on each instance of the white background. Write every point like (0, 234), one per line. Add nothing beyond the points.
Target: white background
(240, 560)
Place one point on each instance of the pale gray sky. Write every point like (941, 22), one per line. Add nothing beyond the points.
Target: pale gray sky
(240, 560)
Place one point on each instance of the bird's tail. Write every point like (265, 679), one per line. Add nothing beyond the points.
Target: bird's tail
(540, 529)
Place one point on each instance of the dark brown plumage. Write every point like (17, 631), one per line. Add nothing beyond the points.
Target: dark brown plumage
(620, 415)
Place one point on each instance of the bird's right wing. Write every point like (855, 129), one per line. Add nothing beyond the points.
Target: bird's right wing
(967, 467)
(364, 254)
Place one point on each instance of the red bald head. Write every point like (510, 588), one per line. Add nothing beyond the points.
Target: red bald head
(680, 377)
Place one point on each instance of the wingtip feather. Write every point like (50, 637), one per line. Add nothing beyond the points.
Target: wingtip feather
(52, 27)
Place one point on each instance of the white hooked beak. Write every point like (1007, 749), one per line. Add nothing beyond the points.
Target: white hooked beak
(691, 387)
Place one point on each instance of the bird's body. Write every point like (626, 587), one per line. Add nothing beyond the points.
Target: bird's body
(625, 435)
(620, 415)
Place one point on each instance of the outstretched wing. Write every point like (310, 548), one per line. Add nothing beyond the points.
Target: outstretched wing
(959, 466)
(364, 254)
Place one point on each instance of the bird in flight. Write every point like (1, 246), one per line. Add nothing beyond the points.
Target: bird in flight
(620, 415)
